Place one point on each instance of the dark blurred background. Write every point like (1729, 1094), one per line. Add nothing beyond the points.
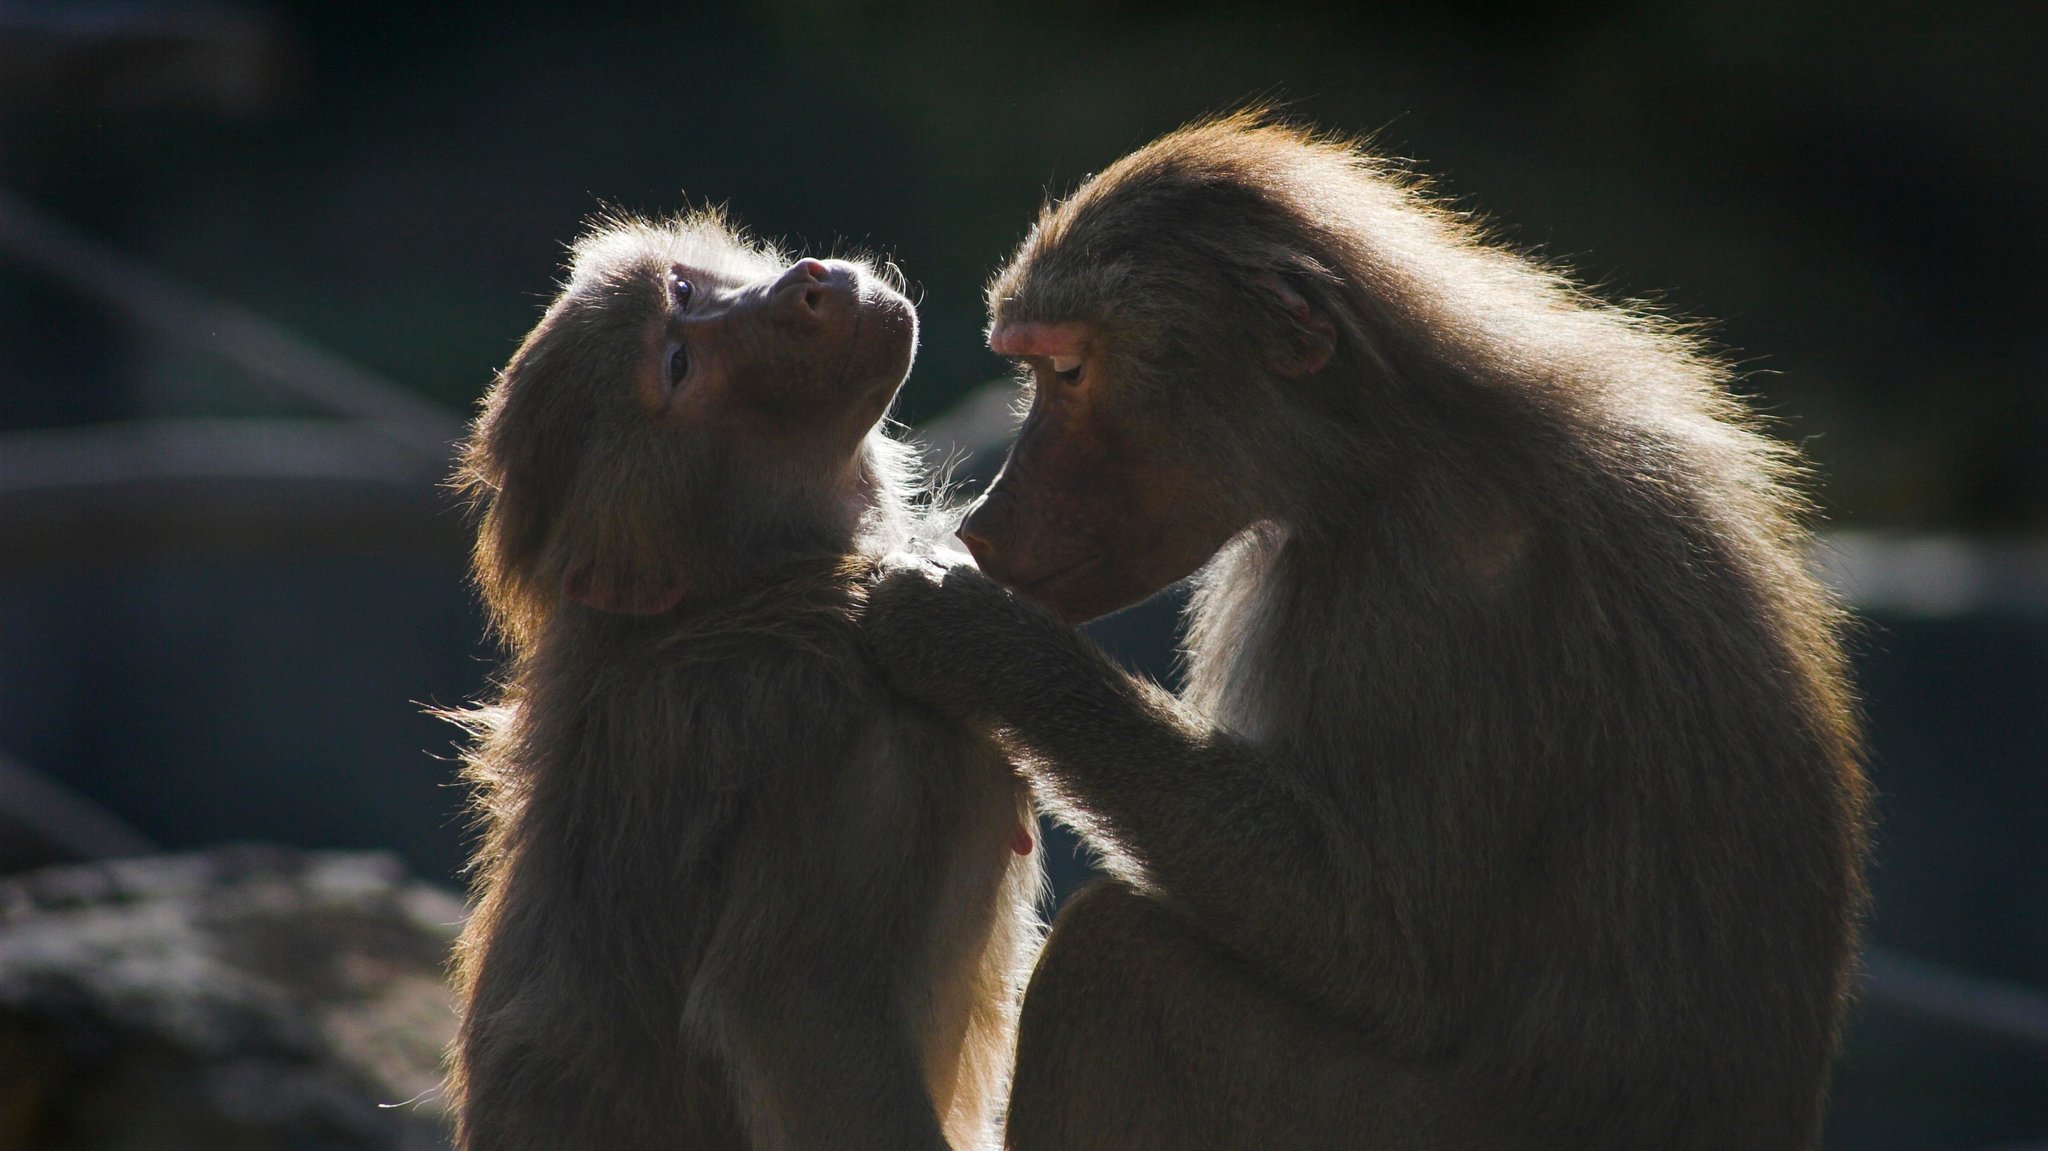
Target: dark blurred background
(257, 260)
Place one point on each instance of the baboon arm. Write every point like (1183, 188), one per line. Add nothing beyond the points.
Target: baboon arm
(1211, 824)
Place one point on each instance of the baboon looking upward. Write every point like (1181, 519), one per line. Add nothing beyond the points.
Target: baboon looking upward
(1514, 797)
(732, 892)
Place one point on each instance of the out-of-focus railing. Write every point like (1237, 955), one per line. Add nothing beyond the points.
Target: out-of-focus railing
(243, 488)
(267, 350)
(1935, 574)
(364, 483)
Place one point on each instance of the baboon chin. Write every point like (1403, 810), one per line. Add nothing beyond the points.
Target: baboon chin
(731, 891)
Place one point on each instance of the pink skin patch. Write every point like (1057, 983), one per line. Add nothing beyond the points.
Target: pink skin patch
(577, 589)
(1052, 341)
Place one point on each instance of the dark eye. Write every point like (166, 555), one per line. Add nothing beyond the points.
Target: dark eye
(680, 291)
(678, 364)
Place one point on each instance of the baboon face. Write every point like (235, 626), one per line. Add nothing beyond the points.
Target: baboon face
(689, 406)
(1153, 398)
(1095, 508)
(812, 353)
(1169, 339)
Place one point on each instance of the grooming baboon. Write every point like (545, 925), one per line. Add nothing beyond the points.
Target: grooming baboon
(732, 893)
(1514, 798)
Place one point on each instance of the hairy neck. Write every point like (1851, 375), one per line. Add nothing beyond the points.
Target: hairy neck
(1231, 623)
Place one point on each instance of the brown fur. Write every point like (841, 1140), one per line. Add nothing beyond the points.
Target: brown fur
(732, 893)
(1514, 798)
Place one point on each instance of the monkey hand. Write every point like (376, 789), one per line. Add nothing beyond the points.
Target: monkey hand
(959, 642)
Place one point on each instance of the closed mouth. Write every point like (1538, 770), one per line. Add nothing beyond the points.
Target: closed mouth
(878, 327)
(1084, 566)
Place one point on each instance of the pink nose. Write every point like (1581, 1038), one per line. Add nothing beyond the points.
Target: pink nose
(809, 285)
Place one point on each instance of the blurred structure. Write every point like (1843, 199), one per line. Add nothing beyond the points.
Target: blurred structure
(229, 582)
(44, 822)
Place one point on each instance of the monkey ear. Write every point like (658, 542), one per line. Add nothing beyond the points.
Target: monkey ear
(1314, 336)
